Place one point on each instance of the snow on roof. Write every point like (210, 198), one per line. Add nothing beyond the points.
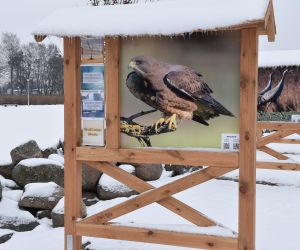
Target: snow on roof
(168, 17)
(279, 58)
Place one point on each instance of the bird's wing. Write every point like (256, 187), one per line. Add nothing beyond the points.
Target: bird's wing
(192, 85)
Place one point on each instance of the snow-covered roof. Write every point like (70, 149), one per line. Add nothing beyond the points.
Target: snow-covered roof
(168, 17)
(279, 58)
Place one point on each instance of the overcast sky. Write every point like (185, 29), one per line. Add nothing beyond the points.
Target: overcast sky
(20, 16)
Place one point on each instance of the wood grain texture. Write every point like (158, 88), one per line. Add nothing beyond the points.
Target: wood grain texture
(141, 186)
(192, 240)
(273, 153)
(183, 157)
(72, 136)
(278, 165)
(157, 194)
(247, 154)
(274, 137)
(278, 125)
(112, 91)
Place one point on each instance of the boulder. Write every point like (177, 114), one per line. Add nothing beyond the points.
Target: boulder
(27, 150)
(5, 235)
(109, 188)
(57, 157)
(89, 198)
(48, 151)
(0, 191)
(180, 169)
(6, 170)
(41, 195)
(57, 213)
(9, 184)
(148, 172)
(43, 214)
(12, 217)
(38, 170)
(90, 178)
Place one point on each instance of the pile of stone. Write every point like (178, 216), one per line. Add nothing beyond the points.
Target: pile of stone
(31, 187)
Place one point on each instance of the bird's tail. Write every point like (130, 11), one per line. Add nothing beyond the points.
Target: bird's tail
(218, 107)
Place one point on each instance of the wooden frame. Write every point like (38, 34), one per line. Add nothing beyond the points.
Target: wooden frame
(282, 130)
(219, 162)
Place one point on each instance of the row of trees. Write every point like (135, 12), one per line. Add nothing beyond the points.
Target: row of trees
(33, 65)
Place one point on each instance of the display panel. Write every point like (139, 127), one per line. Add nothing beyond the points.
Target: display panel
(191, 81)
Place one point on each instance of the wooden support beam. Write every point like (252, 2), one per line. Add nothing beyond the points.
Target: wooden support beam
(141, 155)
(247, 154)
(278, 166)
(278, 125)
(174, 205)
(273, 153)
(112, 91)
(72, 131)
(184, 239)
(156, 195)
(274, 137)
(39, 38)
(289, 141)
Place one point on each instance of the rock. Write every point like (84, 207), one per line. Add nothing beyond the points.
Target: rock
(49, 151)
(11, 217)
(90, 178)
(6, 170)
(9, 184)
(5, 235)
(57, 213)
(27, 150)
(89, 198)
(148, 172)
(0, 191)
(38, 170)
(41, 195)
(43, 214)
(109, 188)
(180, 169)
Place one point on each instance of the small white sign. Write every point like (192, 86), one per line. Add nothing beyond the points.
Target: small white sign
(93, 132)
(230, 142)
(295, 118)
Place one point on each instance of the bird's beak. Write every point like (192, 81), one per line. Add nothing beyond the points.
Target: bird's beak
(132, 65)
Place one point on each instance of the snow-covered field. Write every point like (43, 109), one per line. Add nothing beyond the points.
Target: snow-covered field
(20, 124)
(278, 216)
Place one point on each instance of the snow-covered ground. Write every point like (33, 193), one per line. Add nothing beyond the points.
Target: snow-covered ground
(277, 220)
(20, 124)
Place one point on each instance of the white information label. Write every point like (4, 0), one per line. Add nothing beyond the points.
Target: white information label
(295, 118)
(230, 142)
(93, 132)
(69, 242)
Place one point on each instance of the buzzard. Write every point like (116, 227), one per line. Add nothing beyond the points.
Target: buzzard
(179, 92)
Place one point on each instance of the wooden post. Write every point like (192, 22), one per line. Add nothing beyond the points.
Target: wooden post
(247, 155)
(72, 107)
(112, 92)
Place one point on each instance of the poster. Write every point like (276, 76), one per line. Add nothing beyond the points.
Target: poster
(92, 77)
(92, 104)
(180, 92)
(91, 49)
(93, 132)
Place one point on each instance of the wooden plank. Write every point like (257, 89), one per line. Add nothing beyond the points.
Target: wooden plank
(278, 166)
(272, 138)
(72, 131)
(99, 59)
(278, 125)
(157, 194)
(289, 141)
(174, 205)
(39, 38)
(247, 154)
(112, 89)
(192, 240)
(142, 155)
(273, 153)
(270, 25)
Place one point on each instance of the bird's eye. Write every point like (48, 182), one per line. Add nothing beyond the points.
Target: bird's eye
(138, 62)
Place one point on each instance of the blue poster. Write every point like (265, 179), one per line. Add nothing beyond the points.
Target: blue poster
(92, 104)
(92, 77)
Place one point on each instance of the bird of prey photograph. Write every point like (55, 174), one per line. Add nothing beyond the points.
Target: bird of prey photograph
(179, 92)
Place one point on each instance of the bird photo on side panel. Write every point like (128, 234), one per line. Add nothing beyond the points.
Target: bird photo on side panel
(177, 91)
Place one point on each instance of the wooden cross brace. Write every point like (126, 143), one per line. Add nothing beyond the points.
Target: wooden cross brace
(150, 194)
